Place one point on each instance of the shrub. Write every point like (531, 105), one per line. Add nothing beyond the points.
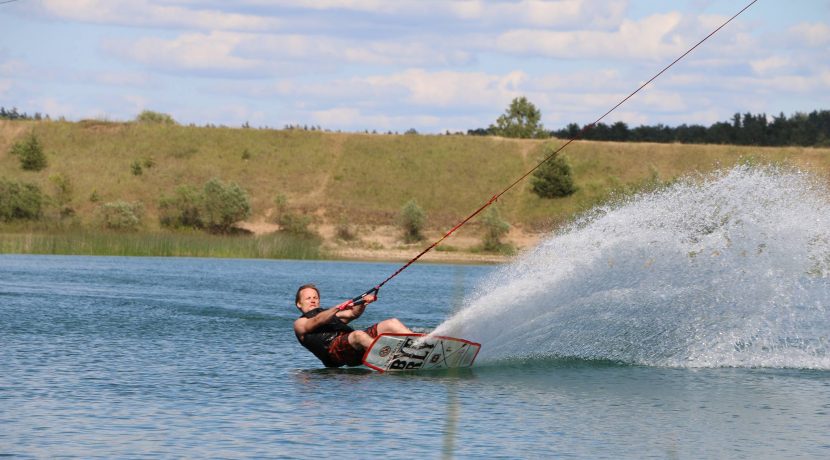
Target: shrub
(224, 205)
(494, 229)
(19, 201)
(280, 203)
(121, 215)
(31, 153)
(63, 191)
(296, 224)
(183, 209)
(135, 167)
(412, 220)
(148, 116)
(345, 231)
(553, 179)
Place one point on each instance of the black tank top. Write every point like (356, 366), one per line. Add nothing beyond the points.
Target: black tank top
(319, 340)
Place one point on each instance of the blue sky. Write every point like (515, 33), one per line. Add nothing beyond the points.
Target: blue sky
(389, 65)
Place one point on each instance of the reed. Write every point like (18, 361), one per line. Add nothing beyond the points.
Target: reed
(274, 246)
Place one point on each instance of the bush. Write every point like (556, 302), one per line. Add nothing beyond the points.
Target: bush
(553, 179)
(121, 215)
(19, 201)
(494, 229)
(63, 194)
(31, 153)
(136, 168)
(296, 224)
(345, 231)
(224, 205)
(148, 116)
(183, 209)
(412, 219)
(280, 204)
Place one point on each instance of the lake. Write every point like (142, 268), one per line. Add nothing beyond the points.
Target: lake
(170, 357)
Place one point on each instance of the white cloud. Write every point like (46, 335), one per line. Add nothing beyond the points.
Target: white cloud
(5, 86)
(649, 38)
(355, 118)
(122, 78)
(53, 107)
(333, 50)
(542, 13)
(14, 68)
(578, 80)
(811, 34)
(256, 55)
(196, 52)
(445, 89)
(147, 13)
(770, 64)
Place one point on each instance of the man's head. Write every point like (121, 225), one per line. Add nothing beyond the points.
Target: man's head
(308, 297)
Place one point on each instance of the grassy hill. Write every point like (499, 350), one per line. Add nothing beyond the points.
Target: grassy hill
(360, 178)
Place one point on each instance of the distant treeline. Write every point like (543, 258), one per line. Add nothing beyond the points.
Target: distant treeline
(13, 114)
(812, 129)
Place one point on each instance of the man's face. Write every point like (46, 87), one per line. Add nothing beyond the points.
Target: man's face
(309, 299)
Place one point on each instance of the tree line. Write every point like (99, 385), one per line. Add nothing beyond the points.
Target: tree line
(13, 114)
(521, 119)
(803, 129)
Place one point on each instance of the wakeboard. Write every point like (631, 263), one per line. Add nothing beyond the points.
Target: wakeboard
(416, 352)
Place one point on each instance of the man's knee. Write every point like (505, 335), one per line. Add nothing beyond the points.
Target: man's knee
(392, 325)
(360, 340)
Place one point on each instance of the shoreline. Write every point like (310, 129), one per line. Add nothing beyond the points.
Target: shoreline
(403, 256)
(211, 246)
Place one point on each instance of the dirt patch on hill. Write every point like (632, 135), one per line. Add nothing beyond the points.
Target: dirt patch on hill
(383, 243)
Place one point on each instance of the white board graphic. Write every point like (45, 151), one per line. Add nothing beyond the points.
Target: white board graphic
(415, 352)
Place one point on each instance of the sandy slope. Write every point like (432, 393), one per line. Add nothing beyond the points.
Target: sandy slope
(383, 243)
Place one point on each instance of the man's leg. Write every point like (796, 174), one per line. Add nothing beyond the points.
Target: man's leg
(360, 340)
(392, 326)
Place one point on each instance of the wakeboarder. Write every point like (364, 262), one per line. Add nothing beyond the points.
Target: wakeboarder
(326, 333)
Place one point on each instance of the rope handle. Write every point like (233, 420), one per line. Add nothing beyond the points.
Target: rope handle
(359, 300)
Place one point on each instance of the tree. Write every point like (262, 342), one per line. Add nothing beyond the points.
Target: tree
(553, 179)
(521, 119)
(224, 205)
(30, 152)
(412, 220)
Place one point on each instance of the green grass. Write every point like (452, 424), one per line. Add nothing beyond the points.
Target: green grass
(333, 177)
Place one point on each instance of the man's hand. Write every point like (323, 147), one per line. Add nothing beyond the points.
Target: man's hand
(369, 298)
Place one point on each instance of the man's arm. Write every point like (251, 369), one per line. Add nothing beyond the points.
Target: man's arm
(303, 326)
(355, 311)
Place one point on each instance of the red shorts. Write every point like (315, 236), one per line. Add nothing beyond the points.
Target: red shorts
(343, 353)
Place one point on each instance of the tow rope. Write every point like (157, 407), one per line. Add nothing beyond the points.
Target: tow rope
(359, 299)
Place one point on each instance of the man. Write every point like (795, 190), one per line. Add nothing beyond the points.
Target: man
(326, 332)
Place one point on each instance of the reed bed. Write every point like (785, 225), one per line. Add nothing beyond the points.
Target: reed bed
(275, 246)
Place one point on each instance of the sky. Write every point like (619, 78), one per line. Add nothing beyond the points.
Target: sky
(394, 65)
